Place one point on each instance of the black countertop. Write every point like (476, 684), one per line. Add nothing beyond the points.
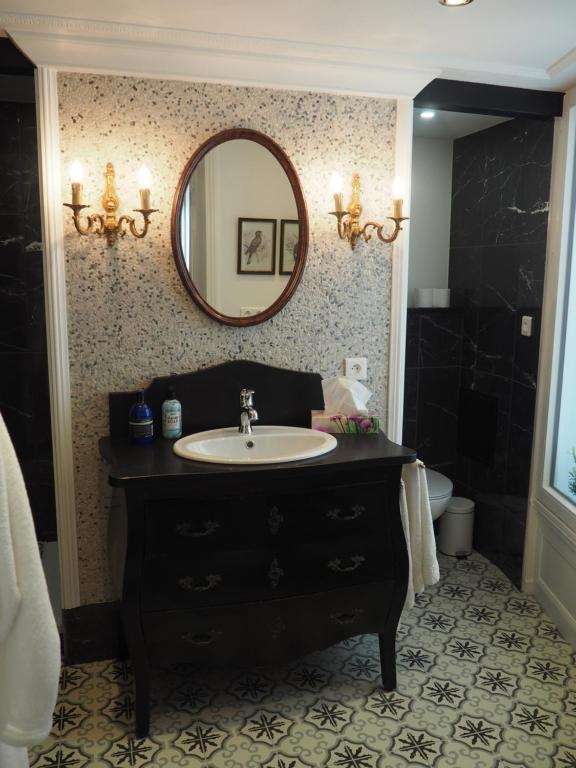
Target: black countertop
(157, 463)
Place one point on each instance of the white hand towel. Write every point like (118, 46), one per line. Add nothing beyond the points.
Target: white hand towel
(418, 530)
(29, 640)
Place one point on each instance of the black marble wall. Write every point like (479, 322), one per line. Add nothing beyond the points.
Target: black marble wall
(471, 375)
(500, 196)
(24, 398)
(432, 384)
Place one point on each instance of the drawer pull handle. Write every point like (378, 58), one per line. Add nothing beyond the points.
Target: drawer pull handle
(275, 573)
(201, 638)
(338, 514)
(275, 520)
(186, 530)
(338, 565)
(203, 584)
(346, 618)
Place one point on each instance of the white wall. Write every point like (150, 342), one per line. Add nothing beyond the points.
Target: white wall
(249, 183)
(430, 214)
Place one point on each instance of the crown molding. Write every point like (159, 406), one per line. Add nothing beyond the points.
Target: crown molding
(91, 46)
(563, 71)
(143, 51)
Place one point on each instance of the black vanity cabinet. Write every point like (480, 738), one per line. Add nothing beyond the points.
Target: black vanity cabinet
(255, 564)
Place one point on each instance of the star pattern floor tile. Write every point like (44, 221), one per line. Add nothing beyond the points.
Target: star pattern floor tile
(485, 680)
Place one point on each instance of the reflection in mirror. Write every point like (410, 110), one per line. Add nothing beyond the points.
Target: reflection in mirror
(238, 227)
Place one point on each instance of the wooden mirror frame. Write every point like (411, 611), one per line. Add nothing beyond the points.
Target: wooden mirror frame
(290, 171)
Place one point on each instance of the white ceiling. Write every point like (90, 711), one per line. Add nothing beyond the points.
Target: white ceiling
(526, 43)
(452, 125)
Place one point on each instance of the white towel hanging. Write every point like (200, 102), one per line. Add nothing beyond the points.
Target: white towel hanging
(423, 570)
(29, 640)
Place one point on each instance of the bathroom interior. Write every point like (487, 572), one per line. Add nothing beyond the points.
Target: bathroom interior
(480, 195)
(480, 201)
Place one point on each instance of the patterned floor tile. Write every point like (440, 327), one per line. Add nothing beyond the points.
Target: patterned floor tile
(132, 752)
(60, 755)
(329, 714)
(417, 747)
(201, 740)
(485, 680)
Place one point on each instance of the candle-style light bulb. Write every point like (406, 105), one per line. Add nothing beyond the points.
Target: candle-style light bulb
(144, 179)
(336, 188)
(397, 192)
(76, 171)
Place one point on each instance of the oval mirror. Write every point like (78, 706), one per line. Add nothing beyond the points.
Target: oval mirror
(240, 227)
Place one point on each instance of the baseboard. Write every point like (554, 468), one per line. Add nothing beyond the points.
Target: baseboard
(92, 632)
(557, 612)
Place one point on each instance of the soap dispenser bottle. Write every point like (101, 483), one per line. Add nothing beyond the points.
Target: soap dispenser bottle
(141, 422)
(171, 416)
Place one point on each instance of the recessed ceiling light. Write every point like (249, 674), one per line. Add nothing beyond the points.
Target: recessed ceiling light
(427, 114)
(455, 2)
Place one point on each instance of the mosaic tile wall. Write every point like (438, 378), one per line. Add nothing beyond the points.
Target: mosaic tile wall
(130, 318)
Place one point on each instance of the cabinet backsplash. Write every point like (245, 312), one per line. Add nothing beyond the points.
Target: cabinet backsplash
(130, 319)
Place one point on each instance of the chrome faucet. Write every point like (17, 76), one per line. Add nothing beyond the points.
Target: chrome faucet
(248, 414)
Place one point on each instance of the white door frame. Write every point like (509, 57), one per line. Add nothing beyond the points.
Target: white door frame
(399, 277)
(550, 545)
(57, 330)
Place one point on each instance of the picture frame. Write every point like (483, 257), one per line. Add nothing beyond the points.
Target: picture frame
(289, 238)
(256, 246)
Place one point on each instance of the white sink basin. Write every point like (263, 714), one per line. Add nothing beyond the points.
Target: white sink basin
(266, 445)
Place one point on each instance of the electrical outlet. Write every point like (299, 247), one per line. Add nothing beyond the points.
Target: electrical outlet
(356, 368)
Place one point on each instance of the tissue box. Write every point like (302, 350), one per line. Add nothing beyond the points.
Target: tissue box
(358, 424)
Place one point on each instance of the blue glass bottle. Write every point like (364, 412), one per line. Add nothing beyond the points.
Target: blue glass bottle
(141, 422)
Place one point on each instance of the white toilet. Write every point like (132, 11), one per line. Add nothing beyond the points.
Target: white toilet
(439, 492)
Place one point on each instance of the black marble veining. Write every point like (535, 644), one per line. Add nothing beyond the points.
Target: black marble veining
(24, 398)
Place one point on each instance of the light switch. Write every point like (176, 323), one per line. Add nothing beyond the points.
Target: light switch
(526, 329)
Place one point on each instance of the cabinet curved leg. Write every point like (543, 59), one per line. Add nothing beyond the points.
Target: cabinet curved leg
(387, 643)
(141, 670)
(142, 703)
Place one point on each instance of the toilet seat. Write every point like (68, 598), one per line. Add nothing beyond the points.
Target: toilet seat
(439, 486)
(439, 492)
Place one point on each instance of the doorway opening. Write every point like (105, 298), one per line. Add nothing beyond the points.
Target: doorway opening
(480, 199)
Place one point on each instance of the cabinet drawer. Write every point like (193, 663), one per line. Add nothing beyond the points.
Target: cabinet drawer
(260, 633)
(334, 564)
(225, 577)
(330, 512)
(180, 527)
(188, 526)
(248, 575)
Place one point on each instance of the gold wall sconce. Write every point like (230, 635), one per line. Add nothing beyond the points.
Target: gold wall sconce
(349, 227)
(106, 224)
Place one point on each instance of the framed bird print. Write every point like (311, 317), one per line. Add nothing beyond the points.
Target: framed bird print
(289, 234)
(256, 246)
